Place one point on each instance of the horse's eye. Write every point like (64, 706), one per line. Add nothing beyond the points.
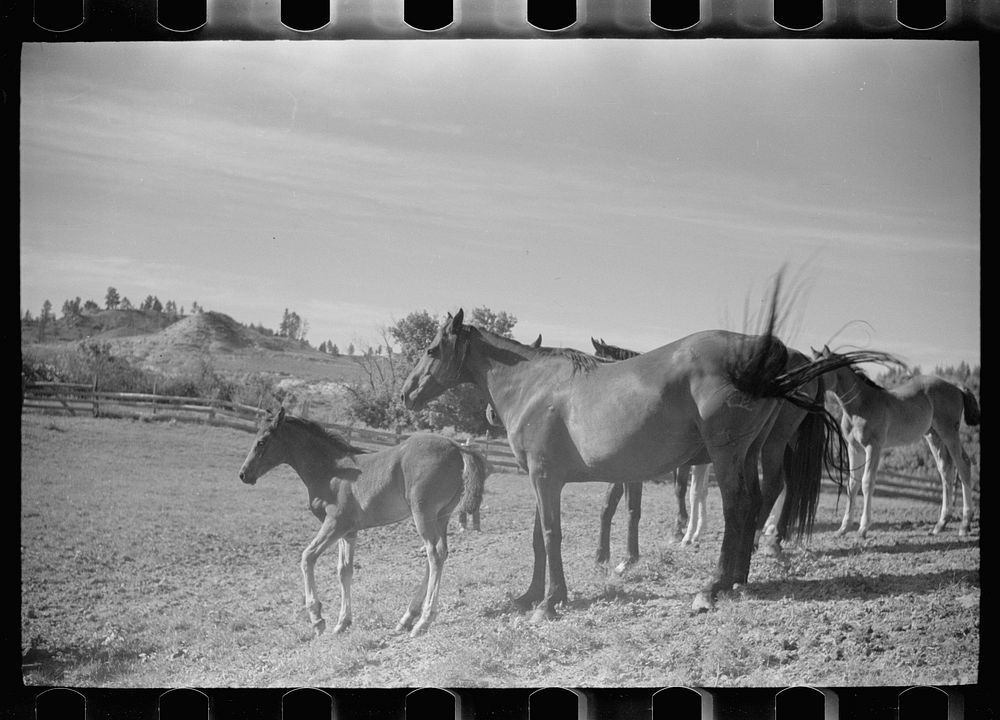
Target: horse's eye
(260, 443)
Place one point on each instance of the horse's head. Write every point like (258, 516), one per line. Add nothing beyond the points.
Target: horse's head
(263, 456)
(442, 366)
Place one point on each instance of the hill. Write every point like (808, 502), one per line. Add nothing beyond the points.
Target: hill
(178, 346)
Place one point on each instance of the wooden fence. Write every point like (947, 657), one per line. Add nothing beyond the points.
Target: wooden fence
(83, 399)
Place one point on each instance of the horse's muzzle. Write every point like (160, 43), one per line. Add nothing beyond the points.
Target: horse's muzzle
(246, 479)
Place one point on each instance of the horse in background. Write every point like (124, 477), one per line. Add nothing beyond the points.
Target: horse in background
(350, 489)
(875, 418)
(686, 528)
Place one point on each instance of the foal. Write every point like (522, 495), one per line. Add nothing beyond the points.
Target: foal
(351, 489)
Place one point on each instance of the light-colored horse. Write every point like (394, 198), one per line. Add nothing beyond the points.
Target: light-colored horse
(875, 418)
(571, 418)
(350, 489)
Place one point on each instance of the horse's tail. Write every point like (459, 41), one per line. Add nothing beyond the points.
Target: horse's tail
(814, 443)
(475, 469)
(972, 414)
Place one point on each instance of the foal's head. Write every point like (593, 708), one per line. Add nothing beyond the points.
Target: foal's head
(266, 452)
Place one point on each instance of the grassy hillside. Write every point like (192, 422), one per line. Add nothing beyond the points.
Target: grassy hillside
(206, 345)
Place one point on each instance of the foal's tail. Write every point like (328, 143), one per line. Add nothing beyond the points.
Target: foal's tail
(972, 415)
(474, 472)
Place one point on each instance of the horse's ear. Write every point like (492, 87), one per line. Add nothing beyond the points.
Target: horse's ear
(538, 341)
(281, 414)
(594, 343)
(456, 322)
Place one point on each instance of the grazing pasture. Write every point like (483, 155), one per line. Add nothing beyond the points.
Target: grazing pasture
(145, 562)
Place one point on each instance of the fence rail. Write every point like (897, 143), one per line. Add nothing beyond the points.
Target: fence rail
(82, 399)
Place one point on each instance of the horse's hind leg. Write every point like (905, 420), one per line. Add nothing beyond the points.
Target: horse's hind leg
(633, 497)
(960, 460)
(771, 486)
(873, 454)
(611, 498)
(437, 552)
(416, 605)
(345, 571)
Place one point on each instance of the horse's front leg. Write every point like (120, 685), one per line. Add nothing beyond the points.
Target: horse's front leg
(548, 495)
(345, 571)
(682, 478)
(633, 497)
(611, 498)
(537, 588)
(964, 467)
(872, 456)
(436, 549)
(328, 534)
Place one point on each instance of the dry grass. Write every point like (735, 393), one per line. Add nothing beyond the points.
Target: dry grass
(146, 563)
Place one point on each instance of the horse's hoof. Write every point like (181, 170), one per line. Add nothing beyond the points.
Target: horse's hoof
(863, 534)
(525, 602)
(318, 627)
(340, 627)
(964, 530)
(543, 613)
(702, 603)
(624, 565)
(937, 529)
(841, 532)
(418, 630)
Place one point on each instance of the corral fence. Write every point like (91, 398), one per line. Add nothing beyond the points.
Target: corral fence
(85, 399)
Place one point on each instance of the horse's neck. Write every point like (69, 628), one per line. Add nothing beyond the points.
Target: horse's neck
(853, 392)
(503, 370)
(312, 459)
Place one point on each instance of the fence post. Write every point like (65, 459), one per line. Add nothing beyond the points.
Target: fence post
(398, 434)
(211, 410)
(97, 407)
(154, 397)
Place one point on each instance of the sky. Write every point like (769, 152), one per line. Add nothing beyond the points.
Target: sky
(631, 190)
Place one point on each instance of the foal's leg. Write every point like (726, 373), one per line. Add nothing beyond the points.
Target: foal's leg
(772, 484)
(946, 469)
(633, 496)
(611, 498)
(328, 534)
(416, 606)
(873, 452)
(682, 478)
(537, 588)
(959, 457)
(436, 546)
(855, 459)
(345, 570)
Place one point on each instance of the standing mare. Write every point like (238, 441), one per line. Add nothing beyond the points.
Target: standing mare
(571, 418)
(350, 489)
(875, 418)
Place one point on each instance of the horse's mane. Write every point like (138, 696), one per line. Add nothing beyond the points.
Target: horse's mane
(331, 436)
(582, 362)
(613, 351)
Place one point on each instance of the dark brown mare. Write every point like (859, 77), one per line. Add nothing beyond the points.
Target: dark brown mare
(875, 418)
(572, 418)
(350, 489)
